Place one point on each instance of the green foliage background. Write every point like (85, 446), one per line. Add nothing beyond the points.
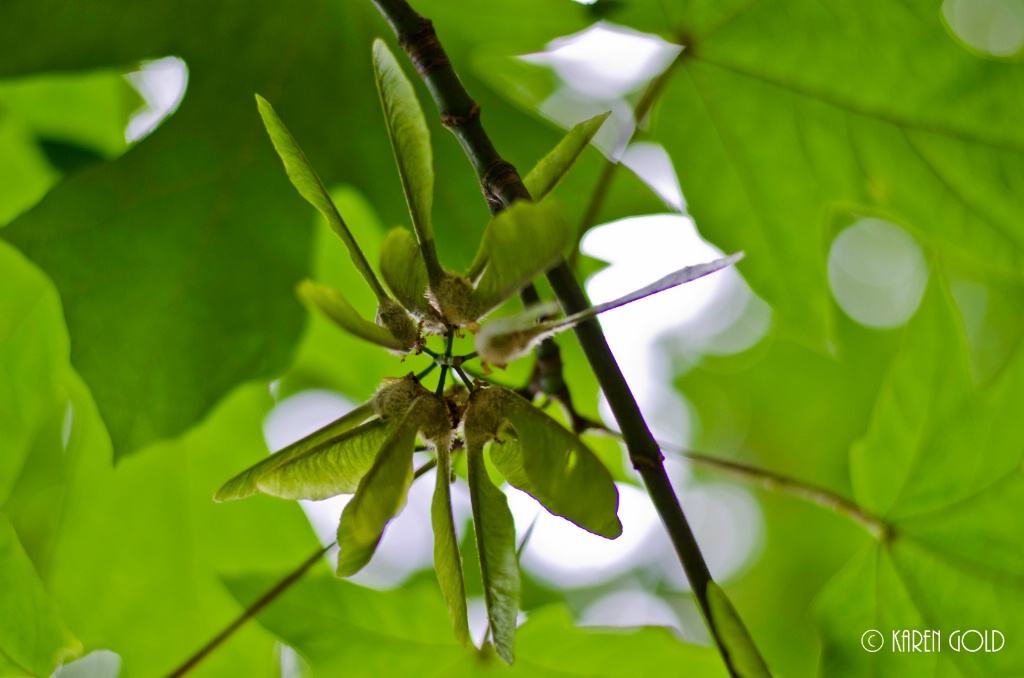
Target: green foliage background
(152, 288)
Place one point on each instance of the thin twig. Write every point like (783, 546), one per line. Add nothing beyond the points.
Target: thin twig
(776, 482)
(250, 612)
(465, 378)
(427, 466)
(501, 186)
(268, 597)
(770, 480)
(444, 363)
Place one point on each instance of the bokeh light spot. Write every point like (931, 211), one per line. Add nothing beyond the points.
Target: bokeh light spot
(569, 556)
(96, 664)
(629, 608)
(606, 61)
(877, 273)
(162, 83)
(992, 27)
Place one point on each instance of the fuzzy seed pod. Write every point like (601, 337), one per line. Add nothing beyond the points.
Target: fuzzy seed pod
(453, 298)
(501, 349)
(393, 398)
(436, 426)
(396, 319)
(485, 413)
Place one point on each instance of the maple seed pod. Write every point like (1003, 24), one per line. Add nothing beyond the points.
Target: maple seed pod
(453, 298)
(501, 349)
(393, 398)
(485, 412)
(393, 317)
(436, 428)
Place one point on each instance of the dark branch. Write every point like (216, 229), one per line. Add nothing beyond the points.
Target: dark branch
(459, 112)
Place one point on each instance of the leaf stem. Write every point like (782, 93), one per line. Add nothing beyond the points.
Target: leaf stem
(445, 363)
(451, 361)
(502, 185)
(459, 359)
(464, 377)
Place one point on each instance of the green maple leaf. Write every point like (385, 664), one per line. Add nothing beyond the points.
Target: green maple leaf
(176, 263)
(941, 465)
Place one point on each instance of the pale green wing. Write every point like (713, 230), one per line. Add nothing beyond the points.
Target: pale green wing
(382, 491)
(309, 186)
(447, 559)
(744, 658)
(547, 461)
(503, 340)
(410, 141)
(245, 483)
(543, 178)
(403, 270)
(333, 467)
(496, 545)
(519, 244)
(330, 302)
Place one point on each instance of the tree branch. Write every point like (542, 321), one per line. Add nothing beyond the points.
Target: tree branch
(501, 185)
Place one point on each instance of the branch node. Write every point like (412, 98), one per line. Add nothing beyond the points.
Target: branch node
(500, 177)
(423, 47)
(451, 120)
(646, 462)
